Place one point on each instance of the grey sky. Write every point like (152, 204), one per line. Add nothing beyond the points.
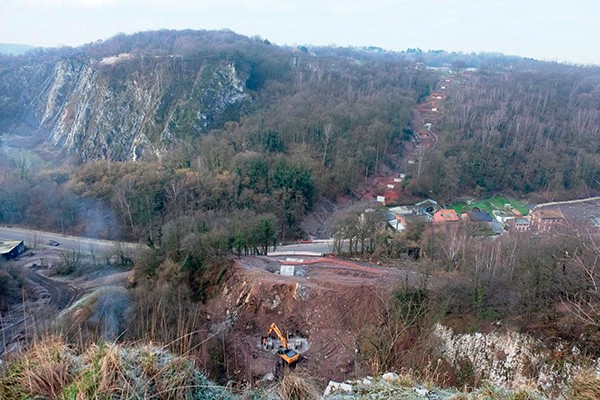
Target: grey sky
(561, 30)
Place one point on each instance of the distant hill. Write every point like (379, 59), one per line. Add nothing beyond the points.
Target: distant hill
(15, 49)
(136, 96)
(509, 124)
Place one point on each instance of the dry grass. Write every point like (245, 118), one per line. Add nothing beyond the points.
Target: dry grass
(585, 386)
(46, 379)
(43, 371)
(51, 370)
(111, 372)
(175, 380)
(298, 386)
(164, 314)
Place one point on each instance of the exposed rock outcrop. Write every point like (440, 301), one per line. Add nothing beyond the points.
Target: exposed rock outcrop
(122, 107)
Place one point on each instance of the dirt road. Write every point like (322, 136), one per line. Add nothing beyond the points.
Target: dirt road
(42, 292)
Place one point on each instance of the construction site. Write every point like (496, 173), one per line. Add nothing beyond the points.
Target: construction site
(321, 304)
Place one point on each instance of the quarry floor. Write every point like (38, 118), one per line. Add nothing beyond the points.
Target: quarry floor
(328, 301)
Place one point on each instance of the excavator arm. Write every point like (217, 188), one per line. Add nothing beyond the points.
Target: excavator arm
(274, 328)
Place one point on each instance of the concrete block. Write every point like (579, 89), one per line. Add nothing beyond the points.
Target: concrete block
(286, 270)
(333, 387)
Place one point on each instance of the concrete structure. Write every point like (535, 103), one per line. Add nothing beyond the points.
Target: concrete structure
(11, 248)
(286, 270)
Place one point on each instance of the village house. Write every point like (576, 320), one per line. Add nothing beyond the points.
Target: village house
(483, 220)
(395, 221)
(477, 216)
(427, 207)
(502, 216)
(545, 219)
(518, 224)
(445, 216)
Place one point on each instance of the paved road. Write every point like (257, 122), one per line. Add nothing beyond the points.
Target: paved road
(318, 246)
(558, 203)
(35, 238)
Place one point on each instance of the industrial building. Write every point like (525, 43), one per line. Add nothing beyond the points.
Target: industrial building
(11, 248)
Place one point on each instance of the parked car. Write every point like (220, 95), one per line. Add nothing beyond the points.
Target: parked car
(52, 243)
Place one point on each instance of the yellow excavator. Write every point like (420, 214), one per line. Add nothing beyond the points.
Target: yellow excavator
(290, 356)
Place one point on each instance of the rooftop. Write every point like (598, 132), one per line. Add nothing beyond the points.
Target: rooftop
(479, 216)
(446, 215)
(400, 210)
(550, 213)
(7, 245)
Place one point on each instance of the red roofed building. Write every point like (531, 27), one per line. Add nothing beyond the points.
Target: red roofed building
(444, 215)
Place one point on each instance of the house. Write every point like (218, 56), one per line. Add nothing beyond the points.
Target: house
(400, 210)
(518, 224)
(395, 221)
(545, 219)
(497, 228)
(502, 217)
(477, 216)
(445, 216)
(427, 207)
(11, 248)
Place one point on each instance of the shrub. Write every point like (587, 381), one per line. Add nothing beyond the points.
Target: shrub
(297, 386)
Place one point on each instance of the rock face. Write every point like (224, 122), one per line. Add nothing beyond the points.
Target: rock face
(121, 107)
(508, 358)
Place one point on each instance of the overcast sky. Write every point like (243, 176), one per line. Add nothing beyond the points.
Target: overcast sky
(560, 30)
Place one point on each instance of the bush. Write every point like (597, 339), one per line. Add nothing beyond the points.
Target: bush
(9, 288)
(298, 386)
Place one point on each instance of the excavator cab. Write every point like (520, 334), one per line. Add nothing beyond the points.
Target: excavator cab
(288, 355)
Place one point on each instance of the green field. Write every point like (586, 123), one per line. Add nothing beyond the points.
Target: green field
(492, 203)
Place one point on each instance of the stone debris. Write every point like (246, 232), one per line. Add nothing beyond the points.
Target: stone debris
(390, 377)
(337, 387)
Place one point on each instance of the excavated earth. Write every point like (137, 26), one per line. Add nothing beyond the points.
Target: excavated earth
(327, 301)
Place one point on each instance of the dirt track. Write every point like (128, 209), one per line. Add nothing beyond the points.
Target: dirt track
(42, 291)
